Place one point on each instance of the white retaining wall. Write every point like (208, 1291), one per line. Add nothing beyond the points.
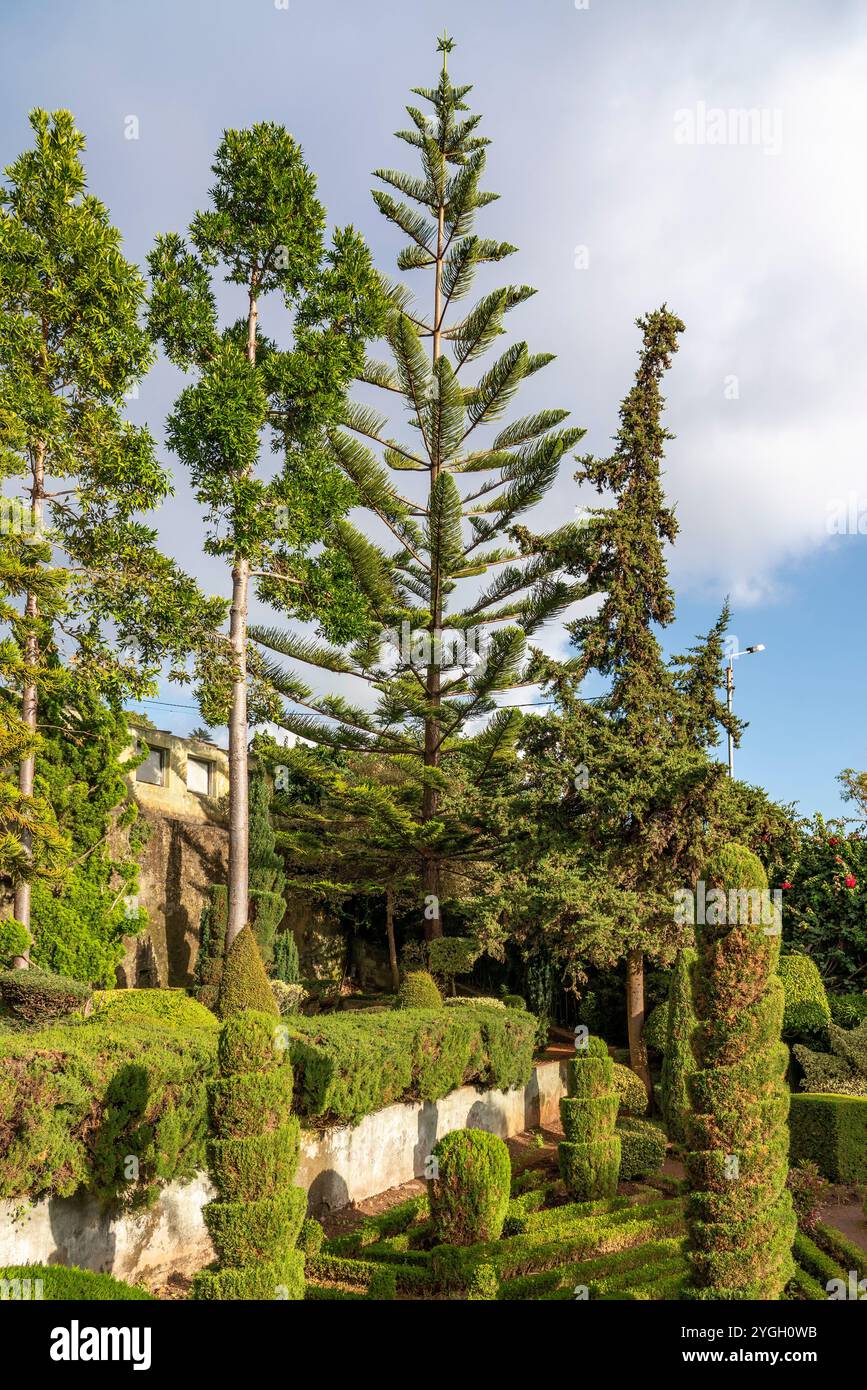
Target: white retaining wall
(339, 1165)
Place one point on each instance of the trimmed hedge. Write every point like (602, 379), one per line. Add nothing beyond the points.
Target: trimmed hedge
(642, 1148)
(470, 1193)
(740, 1217)
(590, 1153)
(349, 1065)
(61, 1283)
(679, 1062)
(807, 1012)
(848, 1010)
(418, 990)
(35, 994)
(79, 1096)
(256, 1221)
(832, 1132)
(243, 983)
(630, 1090)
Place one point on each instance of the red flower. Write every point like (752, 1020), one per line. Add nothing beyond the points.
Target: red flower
(787, 884)
(851, 881)
(833, 840)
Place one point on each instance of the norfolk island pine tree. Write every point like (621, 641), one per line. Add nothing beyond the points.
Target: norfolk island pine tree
(71, 347)
(429, 682)
(264, 234)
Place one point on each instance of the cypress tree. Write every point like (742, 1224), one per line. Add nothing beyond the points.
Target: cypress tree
(442, 662)
(678, 1061)
(739, 1213)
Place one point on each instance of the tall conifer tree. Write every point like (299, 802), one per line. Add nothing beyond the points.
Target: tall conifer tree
(446, 661)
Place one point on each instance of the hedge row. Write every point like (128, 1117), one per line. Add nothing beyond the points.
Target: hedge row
(832, 1132)
(347, 1066)
(62, 1284)
(81, 1097)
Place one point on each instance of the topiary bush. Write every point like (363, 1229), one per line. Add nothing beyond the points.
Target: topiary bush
(831, 1131)
(418, 990)
(36, 994)
(286, 966)
(807, 1013)
(469, 1193)
(514, 1001)
(449, 956)
(739, 1213)
(847, 1010)
(590, 1153)
(678, 1061)
(642, 1147)
(843, 1070)
(630, 1090)
(244, 984)
(656, 1027)
(257, 1218)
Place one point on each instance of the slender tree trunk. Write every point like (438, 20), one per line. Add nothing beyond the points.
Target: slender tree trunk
(30, 695)
(239, 789)
(430, 797)
(389, 931)
(635, 1019)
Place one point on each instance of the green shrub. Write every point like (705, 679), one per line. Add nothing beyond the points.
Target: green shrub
(14, 941)
(830, 1131)
(449, 956)
(485, 1001)
(255, 1223)
(642, 1148)
(65, 1284)
(807, 1013)
(244, 984)
(630, 1089)
(36, 994)
(847, 1010)
(514, 1001)
(849, 1255)
(810, 1192)
(843, 1070)
(73, 1106)
(348, 1065)
(288, 998)
(484, 1284)
(286, 965)
(739, 1213)
(470, 1192)
(590, 1153)
(311, 1237)
(656, 1027)
(678, 1062)
(418, 990)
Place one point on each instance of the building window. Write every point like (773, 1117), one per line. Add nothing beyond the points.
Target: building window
(199, 776)
(152, 769)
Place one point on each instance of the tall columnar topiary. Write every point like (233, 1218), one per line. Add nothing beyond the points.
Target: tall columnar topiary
(469, 1192)
(244, 984)
(286, 966)
(678, 1062)
(807, 1013)
(256, 1219)
(739, 1213)
(267, 877)
(590, 1153)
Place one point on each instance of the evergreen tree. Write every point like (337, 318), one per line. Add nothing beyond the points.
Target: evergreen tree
(71, 347)
(267, 879)
(435, 663)
(264, 234)
(623, 786)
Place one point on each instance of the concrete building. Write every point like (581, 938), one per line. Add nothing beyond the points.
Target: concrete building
(181, 786)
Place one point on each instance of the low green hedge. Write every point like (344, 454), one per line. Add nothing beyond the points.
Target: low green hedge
(349, 1065)
(81, 1097)
(832, 1132)
(642, 1147)
(61, 1284)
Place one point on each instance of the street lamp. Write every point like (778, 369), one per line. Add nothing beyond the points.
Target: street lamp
(730, 685)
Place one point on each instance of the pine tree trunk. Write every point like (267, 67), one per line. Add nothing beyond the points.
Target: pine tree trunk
(389, 931)
(239, 788)
(635, 1019)
(30, 698)
(430, 796)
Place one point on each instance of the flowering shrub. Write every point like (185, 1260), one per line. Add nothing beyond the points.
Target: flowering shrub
(825, 902)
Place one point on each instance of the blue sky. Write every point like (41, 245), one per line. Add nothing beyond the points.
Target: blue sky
(625, 181)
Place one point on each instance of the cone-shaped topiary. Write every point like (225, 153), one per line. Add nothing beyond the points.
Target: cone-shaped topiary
(469, 1193)
(678, 1061)
(418, 990)
(739, 1213)
(244, 984)
(590, 1154)
(255, 1222)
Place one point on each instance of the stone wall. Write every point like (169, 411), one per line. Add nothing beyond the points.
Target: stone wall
(337, 1166)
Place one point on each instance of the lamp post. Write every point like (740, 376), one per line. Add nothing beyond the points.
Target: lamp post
(730, 686)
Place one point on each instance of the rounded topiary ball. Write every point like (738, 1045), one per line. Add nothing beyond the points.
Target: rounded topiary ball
(469, 1193)
(418, 990)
